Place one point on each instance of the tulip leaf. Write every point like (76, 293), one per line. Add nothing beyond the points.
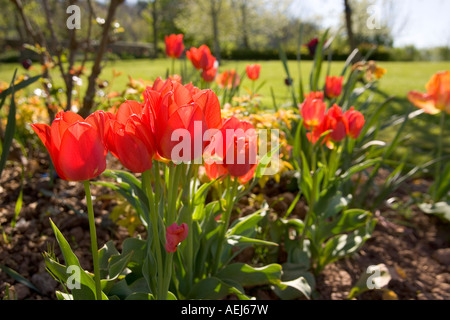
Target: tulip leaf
(341, 245)
(118, 263)
(87, 285)
(247, 224)
(18, 86)
(247, 275)
(213, 288)
(10, 127)
(236, 240)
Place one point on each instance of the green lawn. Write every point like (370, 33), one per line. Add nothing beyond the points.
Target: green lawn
(400, 78)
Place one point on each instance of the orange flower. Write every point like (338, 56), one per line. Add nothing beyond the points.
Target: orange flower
(437, 97)
(229, 79)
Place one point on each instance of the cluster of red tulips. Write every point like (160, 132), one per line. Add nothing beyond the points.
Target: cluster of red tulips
(202, 60)
(332, 125)
(174, 123)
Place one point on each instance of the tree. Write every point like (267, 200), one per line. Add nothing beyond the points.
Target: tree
(349, 25)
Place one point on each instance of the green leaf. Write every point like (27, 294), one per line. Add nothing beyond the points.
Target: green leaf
(342, 245)
(18, 86)
(105, 253)
(377, 276)
(213, 288)
(247, 275)
(236, 240)
(348, 221)
(118, 263)
(10, 128)
(442, 184)
(16, 276)
(87, 290)
(296, 282)
(243, 225)
(440, 209)
(140, 296)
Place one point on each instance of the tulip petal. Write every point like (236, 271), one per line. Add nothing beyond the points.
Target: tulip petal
(82, 153)
(210, 105)
(423, 101)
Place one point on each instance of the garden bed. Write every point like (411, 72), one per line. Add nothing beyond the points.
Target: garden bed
(413, 245)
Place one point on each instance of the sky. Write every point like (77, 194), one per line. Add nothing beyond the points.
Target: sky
(422, 23)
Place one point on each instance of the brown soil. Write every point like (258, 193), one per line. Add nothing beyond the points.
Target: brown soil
(413, 245)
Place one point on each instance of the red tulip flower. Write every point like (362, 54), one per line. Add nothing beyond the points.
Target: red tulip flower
(174, 45)
(437, 97)
(209, 75)
(333, 86)
(175, 235)
(179, 113)
(253, 71)
(201, 57)
(131, 137)
(313, 112)
(233, 151)
(355, 121)
(77, 147)
(335, 122)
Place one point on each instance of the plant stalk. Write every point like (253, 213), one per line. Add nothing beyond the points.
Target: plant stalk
(93, 234)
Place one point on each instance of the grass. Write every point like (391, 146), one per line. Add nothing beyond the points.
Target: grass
(401, 77)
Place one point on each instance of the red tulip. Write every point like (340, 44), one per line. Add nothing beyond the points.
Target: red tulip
(333, 86)
(229, 79)
(437, 97)
(131, 137)
(355, 121)
(174, 45)
(313, 112)
(335, 122)
(201, 58)
(179, 113)
(209, 75)
(233, 150)
(175, 235)
(76, 146)
(314, 95)
(253, 71)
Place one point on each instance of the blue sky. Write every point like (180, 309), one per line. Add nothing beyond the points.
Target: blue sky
(423, 23)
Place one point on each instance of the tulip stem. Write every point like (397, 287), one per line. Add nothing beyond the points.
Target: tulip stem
(93, 233)
(146, 180)
(231, 194)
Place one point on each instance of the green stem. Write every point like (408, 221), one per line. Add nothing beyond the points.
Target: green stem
(226, 219)
(173, 67)
(93, 234)
(146, 180)
(312, 195)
